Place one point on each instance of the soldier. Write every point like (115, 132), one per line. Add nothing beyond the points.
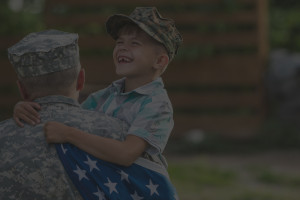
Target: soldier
(50, 74)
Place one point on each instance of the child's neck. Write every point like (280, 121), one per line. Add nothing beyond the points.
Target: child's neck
(132, 84)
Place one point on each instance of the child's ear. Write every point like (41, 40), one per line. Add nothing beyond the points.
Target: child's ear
(162, 61)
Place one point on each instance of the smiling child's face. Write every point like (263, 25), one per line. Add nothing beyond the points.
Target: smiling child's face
(135, 53)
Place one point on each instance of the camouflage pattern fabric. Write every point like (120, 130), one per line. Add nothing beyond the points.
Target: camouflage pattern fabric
(44, 52)
(30, 168)
(149, 20)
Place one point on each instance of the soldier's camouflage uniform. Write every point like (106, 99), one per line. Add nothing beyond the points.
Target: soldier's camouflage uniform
(30, 168)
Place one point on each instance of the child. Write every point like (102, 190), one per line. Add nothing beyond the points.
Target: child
(145, 44)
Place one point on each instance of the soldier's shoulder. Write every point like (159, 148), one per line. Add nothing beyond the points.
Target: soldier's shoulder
(7, 123)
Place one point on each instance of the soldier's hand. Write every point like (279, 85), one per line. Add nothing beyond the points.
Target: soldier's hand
(56, 132)
(26, 111)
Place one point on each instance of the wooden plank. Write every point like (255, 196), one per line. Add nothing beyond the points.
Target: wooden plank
(262, 26)
(77, 20)
(185, 18)
(188, 17)
(215, 99)
(8, 75)
(7, 41)
(247, 39)
(99, 71)
(9, 100)
(141, 3)
(216, 70)
(87, 41)
(231, 126)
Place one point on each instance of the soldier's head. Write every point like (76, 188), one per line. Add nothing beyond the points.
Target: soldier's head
(47, 63)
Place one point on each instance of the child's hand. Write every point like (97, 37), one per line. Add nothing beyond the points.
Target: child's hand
(56, 132)
(26, 111)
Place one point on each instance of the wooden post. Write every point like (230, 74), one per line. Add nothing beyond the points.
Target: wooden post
(263, 27)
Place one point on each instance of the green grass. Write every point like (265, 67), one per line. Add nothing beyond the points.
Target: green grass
(268, 176)
(195, 175)
(200, 178)
(253, 195)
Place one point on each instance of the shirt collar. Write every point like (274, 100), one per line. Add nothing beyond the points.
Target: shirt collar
(146, 89)
(57, 99)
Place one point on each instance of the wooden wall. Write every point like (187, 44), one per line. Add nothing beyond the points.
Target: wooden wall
(216, 81)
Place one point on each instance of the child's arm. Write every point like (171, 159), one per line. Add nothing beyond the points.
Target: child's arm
(119, 152)
(26, 111)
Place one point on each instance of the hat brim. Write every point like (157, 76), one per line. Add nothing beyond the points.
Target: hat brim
(115, 22)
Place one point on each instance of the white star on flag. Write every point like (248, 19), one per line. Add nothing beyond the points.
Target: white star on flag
(63, 149)
(111, 186)
(135, 196)
(91, 163)
(152, 187)
(80, 173)
(123, 176)
(99, 194)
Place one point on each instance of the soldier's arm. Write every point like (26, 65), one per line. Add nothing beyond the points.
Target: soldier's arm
(26, 111)
(119, 152)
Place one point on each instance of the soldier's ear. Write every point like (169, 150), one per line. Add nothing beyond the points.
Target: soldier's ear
(80, 80)
(22, 90)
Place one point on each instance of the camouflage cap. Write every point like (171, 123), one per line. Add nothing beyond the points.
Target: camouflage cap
(149, 20)
(44, 52)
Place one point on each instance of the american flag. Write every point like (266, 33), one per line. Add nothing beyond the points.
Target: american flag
(100, 180)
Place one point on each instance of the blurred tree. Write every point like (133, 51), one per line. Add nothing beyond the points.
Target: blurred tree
(21, 16)
(285, 24)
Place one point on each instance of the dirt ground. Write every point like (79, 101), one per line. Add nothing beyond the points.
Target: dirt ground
(268, 175)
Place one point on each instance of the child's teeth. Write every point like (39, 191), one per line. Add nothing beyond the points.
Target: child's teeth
(123, 59)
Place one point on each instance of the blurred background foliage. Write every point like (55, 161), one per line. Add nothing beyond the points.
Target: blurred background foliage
(21, 16)
(284, 24)
(25, 16)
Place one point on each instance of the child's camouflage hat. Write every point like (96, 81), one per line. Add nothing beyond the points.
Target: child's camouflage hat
(44, 52)
(149, 20)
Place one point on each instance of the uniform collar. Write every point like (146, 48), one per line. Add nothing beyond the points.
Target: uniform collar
(57, 99)
(146, 89)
